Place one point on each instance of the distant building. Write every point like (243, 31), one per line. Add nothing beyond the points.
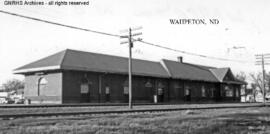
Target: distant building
(72, 76)
(2, 89)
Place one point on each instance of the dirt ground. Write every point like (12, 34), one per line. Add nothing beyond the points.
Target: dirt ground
(224, 121)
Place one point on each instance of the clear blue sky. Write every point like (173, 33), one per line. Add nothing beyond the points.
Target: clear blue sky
(244, 23)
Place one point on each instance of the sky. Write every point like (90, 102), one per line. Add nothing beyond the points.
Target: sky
(242, 23)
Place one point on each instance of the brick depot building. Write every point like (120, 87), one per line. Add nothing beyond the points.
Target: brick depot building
(72, 76)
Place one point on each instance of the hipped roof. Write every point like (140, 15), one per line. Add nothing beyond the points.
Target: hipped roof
(86, 61)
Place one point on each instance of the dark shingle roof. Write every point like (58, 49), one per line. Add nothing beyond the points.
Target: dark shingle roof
(86, 61)
(78, 60)
(189, 71)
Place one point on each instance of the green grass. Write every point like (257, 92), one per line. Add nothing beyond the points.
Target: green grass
(216, 121)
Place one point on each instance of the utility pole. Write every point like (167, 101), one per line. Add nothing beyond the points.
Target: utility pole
(261, 60)
(130, 42)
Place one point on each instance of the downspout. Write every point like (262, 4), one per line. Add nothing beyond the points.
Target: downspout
(99, 87)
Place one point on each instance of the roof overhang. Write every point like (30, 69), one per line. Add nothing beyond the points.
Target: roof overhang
(111, 71)
(234, 82)
(28, 70)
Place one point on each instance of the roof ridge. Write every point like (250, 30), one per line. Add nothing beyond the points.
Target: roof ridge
(163, 64)
(110, 55)
(199, 66)
(194, 65)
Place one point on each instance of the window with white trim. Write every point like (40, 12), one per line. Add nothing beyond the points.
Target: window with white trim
(148, 84)
(126, 90)
(107, 90)
(228, 91)
(203, 91)
(187, 90)
(84, 88)
(160, 91)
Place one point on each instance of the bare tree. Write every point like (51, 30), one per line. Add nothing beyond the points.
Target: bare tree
(241, 76)
(13, 85)
(257, 82)
(254, 91)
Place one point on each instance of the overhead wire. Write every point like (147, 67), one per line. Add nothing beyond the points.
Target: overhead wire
(59, 24)
(116, 35)
(190, 53)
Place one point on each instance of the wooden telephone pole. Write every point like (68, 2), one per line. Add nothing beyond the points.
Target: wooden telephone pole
(261, 59)
(130, 42)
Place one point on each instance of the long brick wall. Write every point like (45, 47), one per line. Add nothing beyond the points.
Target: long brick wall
(65, 87)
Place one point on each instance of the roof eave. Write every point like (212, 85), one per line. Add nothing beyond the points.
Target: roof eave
(234, 82)
(64, 67)
(28, 70)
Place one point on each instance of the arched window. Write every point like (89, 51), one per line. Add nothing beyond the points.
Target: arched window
(42, 82)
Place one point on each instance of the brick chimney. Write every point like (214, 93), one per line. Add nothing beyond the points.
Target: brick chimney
(180, 59)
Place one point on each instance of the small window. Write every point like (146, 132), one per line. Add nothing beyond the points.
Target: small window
(126, 90)
(41, 86)
(187, 91)
(228, 91)
(203, 91)
(126, 86)
(84, 88)
(148, 84)
(160, 91)
(107, 90)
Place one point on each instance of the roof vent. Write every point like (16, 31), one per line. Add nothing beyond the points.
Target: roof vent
(180, 59)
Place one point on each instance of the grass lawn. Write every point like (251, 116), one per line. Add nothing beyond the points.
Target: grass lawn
(238, 121)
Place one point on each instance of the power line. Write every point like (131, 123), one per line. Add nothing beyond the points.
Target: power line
(115, 35)
(193, 54)
(59, 24)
